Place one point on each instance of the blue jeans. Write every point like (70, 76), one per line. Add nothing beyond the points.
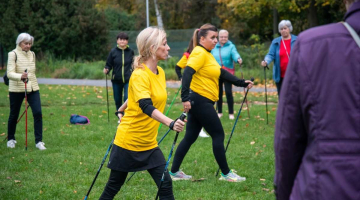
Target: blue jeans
(118, 88)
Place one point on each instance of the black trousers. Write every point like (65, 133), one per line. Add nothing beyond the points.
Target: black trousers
(278, 86)
(117, 179)
(202, 114)
(229, 96)
(16, 99)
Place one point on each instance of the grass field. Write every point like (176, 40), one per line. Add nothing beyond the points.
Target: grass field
(66, 169)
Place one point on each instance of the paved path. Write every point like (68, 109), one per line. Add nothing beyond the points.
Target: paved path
(169, 84)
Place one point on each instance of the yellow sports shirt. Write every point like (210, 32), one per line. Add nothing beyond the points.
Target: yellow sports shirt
(183, 61)
(205, 81)
(137, 131)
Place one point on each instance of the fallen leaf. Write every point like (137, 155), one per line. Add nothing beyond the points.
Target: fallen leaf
(247, 125)
(41, 192)
(9, 177)
(262, 179)
(265, 189)
(80, 163)
(17, 181)
(75, 191)
(104, 111)
(100, 97)
(253, 142)
(2, 134)
(264, 145)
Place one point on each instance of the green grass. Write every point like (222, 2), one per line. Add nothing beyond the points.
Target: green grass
(66, 169)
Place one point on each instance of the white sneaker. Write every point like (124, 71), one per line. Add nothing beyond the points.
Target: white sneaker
(40, 146)
(203, 134)
(220, 115)
(232, 177)
(119, 122)
(11, 144)
(231, 116)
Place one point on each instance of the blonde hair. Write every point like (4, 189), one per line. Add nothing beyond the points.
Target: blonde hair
(24, 37)
(202, 32)
(147, 42)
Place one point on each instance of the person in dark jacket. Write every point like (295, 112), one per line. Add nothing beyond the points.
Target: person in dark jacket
(120, 60)
(317, 134)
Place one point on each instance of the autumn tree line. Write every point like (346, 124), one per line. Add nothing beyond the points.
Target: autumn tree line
(78, 29)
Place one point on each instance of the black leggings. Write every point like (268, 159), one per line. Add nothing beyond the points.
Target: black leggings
(117, 179)
(202, 114)
(278, 86)
(229, 96)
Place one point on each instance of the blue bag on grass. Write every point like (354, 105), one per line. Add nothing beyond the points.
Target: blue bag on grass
(79, 119)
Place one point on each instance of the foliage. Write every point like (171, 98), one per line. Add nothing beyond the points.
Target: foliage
(68, 29)
(66, 169)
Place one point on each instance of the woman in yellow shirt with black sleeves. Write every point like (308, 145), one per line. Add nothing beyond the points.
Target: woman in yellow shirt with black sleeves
(135, 147)
(202, 76)
(181, 65)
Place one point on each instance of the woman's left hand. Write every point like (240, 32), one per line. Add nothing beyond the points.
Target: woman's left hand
(240, 61)
(250, 84)
(187, 106)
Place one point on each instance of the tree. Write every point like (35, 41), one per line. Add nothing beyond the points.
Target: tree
(66, 28)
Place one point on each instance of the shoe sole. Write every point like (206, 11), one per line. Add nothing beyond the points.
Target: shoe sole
(230, 180)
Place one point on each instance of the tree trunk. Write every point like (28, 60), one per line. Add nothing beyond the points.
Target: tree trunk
(312, 14)
(158, 16)
(275, 22)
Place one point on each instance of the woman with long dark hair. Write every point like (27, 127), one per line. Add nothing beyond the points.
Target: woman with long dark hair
(202, 76)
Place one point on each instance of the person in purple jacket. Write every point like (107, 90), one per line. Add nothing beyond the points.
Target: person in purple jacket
(317, 133)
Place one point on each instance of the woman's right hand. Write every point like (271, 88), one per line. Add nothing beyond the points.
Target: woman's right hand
(106, 71)
(24, 76)
(264, 63)
(179, 125)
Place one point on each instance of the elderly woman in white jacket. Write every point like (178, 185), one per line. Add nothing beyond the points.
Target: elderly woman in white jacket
(21, 59)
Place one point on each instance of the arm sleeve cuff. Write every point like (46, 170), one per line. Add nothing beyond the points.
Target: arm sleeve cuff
(146, 106)
(186, 80)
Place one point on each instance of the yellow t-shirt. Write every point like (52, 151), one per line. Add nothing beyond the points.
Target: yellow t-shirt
(182, 62)
(137, 131)
(205, 81)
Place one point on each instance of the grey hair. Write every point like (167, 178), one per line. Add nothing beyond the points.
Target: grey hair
(285, 23)
(24, 37)
(223, 31)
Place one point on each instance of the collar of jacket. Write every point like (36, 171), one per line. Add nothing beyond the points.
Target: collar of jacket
(354, 8)
(228, 43)
(204, 48)
(278, 39)
(19, 50)
(127, 46)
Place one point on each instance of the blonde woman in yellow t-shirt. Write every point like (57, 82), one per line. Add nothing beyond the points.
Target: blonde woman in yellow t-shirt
(181, 65)
(135, 147)
(202, 76)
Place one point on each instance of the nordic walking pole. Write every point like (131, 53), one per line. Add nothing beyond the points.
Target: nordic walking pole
(237, 118)
(97, 173)
(26, 129)
(18, 119)
(158, 144)
(267, 117)
(247, 105)
(107, 97)
(172, 102)
(182, 118)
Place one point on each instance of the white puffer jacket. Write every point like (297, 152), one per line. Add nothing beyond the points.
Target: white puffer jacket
(17, 64)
